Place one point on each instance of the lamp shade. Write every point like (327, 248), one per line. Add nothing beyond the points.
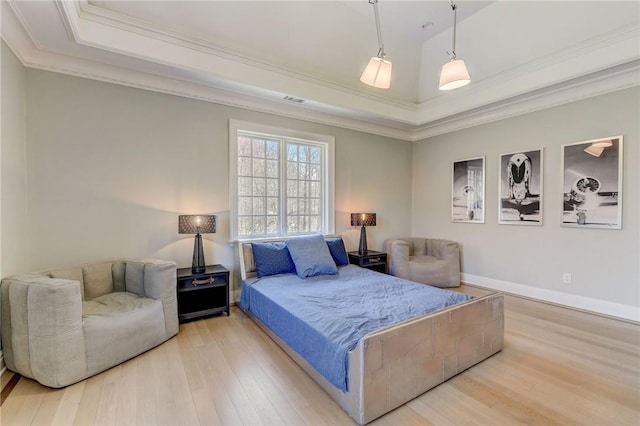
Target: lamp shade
(377, 73)
(454, 74)
(196, 224)
(363, 219)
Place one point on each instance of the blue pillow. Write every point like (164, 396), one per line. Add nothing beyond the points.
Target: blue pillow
(272, 259)
(311, 256)
(338, 252)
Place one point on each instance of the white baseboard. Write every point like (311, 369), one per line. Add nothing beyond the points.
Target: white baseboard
(2, 366)
(618, 310)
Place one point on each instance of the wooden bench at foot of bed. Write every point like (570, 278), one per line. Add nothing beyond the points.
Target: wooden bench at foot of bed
(390, 367)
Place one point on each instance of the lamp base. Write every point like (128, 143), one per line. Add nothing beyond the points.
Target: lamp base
(197, 265)
(363, 241)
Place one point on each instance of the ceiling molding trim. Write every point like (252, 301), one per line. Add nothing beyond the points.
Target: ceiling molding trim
(15, 34)
(85, 15)
(69, 12)
(16, 20)
(77, 67)
(599, 53)
(20, 42)
(619, 78)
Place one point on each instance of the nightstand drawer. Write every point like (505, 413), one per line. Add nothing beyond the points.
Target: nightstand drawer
(373, 260)
(202, 281)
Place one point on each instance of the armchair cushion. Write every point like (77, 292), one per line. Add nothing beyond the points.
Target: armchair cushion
(429, 261)
(113, 328)
(99, 279)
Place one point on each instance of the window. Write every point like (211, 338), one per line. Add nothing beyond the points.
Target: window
(281, 182)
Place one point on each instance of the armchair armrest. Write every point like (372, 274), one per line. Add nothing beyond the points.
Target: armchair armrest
(155, 279)
(449, 251)
(398, 258)
(42, 331)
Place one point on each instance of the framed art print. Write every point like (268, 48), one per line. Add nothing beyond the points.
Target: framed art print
(592, 183)
(520, 200)
(467, 191)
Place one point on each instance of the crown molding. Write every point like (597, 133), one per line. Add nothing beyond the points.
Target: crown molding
(590, 56)
(110, 31)
(617, 78)
(58, 63)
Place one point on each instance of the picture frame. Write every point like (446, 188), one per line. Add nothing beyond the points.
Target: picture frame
(520, 197)
(467, 190)
(592, 183)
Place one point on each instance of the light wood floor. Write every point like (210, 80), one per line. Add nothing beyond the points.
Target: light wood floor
(558, 366)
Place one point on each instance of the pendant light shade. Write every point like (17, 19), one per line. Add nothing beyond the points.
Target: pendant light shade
(454, 74)
(377, 73)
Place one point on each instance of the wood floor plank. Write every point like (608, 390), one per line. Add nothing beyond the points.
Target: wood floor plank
(180, 392)
(559, 366)
(69, 404)
(88, 406)
(276, 366)
(222, 403)
(127, 394)
(22, 404)
(146, 384)
(107, 405)
(253, 379)
(205, 408)
(48, 407)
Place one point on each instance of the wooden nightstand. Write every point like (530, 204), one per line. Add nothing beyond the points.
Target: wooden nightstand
(375, 260)
(203, 294)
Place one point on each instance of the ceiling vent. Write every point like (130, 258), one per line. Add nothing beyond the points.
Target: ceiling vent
(292, 99)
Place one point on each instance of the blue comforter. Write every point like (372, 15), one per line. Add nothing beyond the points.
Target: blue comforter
(324, 317)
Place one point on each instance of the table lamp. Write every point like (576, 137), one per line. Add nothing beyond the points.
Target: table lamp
(363, 219)
(197, 224)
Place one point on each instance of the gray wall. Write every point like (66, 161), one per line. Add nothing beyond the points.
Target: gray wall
(110, 168)
(603, 263)
(101, 171)
(13, 247)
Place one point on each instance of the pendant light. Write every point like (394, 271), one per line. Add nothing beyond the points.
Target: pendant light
(454, 73)
(378, 71)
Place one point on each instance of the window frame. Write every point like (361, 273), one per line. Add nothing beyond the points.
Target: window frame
(328, 174)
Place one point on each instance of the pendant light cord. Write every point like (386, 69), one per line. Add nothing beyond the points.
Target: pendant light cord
(381, 53)
(452, 53)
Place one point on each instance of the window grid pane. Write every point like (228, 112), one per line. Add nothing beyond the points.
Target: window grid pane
(280, 186)
(258, 186)
(304, 206)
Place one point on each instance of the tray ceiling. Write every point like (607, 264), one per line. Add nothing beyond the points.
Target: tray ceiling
(522, 55)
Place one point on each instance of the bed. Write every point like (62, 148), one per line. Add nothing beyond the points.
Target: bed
(384, 367)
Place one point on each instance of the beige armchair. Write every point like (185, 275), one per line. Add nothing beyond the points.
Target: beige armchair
(64, 325)
(429, 261)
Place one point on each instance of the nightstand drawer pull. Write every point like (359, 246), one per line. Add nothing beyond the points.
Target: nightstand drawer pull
(374, 259)
(204, 281)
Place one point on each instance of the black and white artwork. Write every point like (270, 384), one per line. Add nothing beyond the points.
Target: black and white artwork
(592, 183)
(521, 188)
(467, 191)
